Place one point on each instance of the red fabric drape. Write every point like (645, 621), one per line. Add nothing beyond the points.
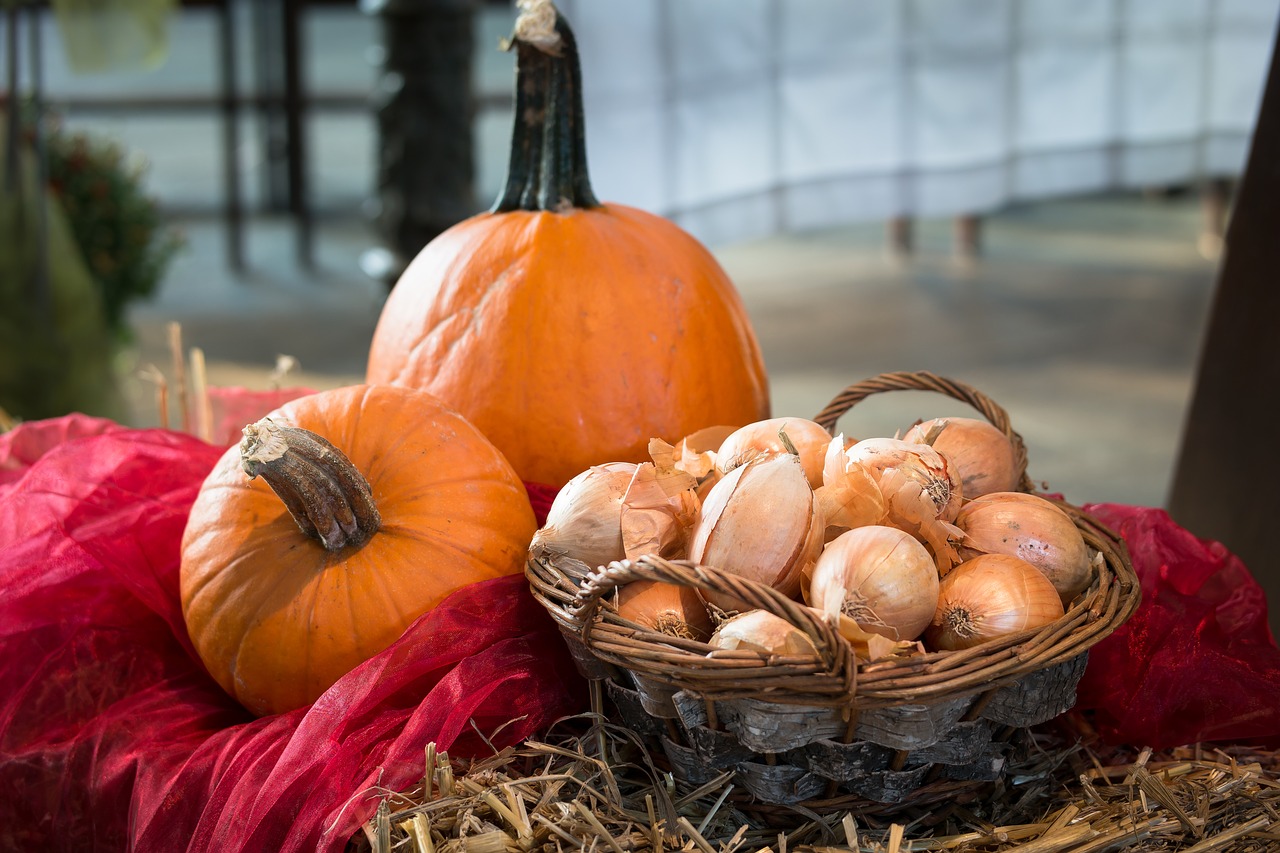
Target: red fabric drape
(1197, 661)
(112, 737)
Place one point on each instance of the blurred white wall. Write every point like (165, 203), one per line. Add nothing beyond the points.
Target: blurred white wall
(741, 118)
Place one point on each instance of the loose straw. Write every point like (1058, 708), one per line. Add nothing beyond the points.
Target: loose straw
(154, 375)
(179, 374)
(200, 390)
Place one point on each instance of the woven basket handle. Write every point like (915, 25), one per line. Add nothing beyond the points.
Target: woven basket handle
(834, 651)
(925, 381)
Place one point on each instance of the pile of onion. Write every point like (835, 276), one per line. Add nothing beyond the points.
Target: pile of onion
(903, 544)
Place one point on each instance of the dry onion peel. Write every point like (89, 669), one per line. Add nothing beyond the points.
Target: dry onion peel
(849, 496)
(869, 646)
(657, 512)
(694, 454)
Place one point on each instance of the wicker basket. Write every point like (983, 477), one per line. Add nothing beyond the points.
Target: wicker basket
(831, 730)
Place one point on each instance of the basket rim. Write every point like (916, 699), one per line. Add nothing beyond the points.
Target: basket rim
(924, 380)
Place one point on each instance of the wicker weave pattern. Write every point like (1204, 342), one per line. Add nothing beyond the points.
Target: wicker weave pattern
(925, 381)
(880, 730)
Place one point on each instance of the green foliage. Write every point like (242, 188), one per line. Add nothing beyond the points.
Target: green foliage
(117, 226)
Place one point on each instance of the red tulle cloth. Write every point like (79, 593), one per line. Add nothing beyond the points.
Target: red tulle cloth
(112, 737)
(1197, 661)
(230, 408)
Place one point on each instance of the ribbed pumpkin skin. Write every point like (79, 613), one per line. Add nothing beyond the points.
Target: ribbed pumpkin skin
(275, 617)
(572, 338)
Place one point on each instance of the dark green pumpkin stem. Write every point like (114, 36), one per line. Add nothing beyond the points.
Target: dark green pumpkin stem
(328, 498)
(548, 169)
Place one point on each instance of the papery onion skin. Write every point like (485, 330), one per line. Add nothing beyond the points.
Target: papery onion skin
(760, 521)
(881, 577)
(585, 518)
(920, 463)
(990, 597)
(983, 456)
(765, 632)
(809, 439)
(706, 439)
(1031, 528)
(666, 608)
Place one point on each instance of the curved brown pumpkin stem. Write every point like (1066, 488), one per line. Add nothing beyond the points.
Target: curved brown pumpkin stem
(328, 498)
(548, 169)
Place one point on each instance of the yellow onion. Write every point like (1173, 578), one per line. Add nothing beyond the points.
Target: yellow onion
(989, 597)
(807, 439)
(983, 456)
(760, 521)
(585, 519)
(1031, 528)
(880, 577)
(666, 608)
(920, 464)
(762, 631)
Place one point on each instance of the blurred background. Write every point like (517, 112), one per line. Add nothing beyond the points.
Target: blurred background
(1026, 195)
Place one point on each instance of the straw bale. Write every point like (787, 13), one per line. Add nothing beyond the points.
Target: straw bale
(592, 786)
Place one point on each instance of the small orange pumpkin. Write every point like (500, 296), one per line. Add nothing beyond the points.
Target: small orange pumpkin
(569, 331)
(339, 520)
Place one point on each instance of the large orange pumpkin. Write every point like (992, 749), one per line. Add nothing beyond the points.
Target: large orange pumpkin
(367, 506)
(570, 332)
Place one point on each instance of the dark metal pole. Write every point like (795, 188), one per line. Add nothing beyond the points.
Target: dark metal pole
(268, 39)
(228, 102)
(425, 110)
(41, 283)
(295, 130)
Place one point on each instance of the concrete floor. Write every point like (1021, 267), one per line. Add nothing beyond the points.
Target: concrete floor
(1081, 317)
